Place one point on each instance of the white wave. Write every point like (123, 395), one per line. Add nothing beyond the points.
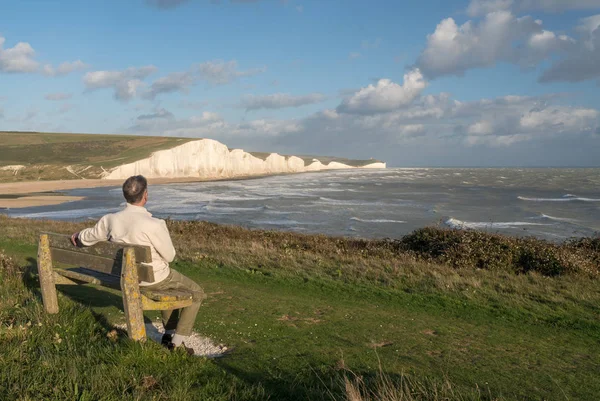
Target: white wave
(342, 202)
(565, 219)
(478, 225)
(232, 210)
(565, 198)
(276, 222)
(377, 220)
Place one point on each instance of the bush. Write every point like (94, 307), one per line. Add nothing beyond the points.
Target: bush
(476, 249)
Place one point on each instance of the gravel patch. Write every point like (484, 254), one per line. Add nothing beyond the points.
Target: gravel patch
(202, 346)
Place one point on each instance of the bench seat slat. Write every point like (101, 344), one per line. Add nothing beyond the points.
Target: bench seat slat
(167, 296)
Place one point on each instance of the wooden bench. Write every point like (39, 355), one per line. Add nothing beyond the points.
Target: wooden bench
(113, 265)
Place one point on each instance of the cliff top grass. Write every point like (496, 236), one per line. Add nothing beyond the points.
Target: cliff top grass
(46, 156)
(436, 315)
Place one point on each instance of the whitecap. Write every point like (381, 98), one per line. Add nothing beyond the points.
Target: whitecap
(377, 220)
(565, 219)
(566, 198)
(477, 225)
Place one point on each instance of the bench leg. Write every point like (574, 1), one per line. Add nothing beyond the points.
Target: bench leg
(46, 275)
(132, 298)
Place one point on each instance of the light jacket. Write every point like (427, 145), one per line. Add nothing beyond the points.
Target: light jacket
(135, 225)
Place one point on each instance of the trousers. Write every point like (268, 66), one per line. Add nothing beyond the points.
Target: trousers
(181, 320)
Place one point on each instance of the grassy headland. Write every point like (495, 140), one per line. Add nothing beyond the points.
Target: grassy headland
(55, 156)
(445, 315)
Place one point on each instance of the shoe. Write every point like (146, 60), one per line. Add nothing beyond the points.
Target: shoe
(188, 350)
(166, 340)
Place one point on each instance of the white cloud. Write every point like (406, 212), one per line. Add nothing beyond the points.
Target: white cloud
(125, 83)
(582, 60)
(58, 96)
(21, 59)
(279, 101)
(354, 55)
(385, 96)
(212, 125)
(17, 59)
(482, 7)
(64, 68)
(433, 129)
(159, 113)
(499, 37)
(218, 72)
(174, 82)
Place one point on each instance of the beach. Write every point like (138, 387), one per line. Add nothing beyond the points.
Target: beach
(15, 195)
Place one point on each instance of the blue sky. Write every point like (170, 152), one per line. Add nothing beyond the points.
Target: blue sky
(427, 83)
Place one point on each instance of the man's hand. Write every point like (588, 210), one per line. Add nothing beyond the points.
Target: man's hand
(75, 238)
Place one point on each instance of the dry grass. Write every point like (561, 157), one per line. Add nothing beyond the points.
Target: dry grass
(398, 264)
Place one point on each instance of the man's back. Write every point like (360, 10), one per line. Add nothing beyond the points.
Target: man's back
(135, 225)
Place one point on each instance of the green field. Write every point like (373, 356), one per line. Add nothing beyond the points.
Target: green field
(56, 156)
(304, 313)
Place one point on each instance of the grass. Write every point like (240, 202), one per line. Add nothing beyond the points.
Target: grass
(312, 317)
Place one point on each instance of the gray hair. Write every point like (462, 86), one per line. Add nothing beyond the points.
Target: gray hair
(134, 188)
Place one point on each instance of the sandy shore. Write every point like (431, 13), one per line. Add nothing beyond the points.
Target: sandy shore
(40, 193)
(36, 200)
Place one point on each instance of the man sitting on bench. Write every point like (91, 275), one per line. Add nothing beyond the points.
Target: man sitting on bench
(135, 225)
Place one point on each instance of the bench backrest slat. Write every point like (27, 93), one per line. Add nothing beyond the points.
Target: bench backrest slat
(104, 257)
(97, 263)
(104, 249)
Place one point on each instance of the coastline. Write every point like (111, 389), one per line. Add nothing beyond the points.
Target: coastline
(21, 194)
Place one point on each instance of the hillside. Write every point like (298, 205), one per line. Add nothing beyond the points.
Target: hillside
(33, 156)
(303, 312)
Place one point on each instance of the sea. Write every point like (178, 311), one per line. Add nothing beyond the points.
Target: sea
(549, 203)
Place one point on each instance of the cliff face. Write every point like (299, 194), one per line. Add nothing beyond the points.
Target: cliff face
(207, 158)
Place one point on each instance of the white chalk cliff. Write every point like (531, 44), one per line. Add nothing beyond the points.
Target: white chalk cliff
(207, 158)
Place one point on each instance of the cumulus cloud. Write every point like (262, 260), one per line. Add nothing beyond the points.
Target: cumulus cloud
(58, 96)
(279, 101)
(432, 130)
(499, 37)
(64, 68)
(17, 59)
(219, 72)
(482, 7)
(582, 61)
(125, 83)
(160, 113)
(385, 96)
(212, 125)
(21, 59)
(174, 82)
